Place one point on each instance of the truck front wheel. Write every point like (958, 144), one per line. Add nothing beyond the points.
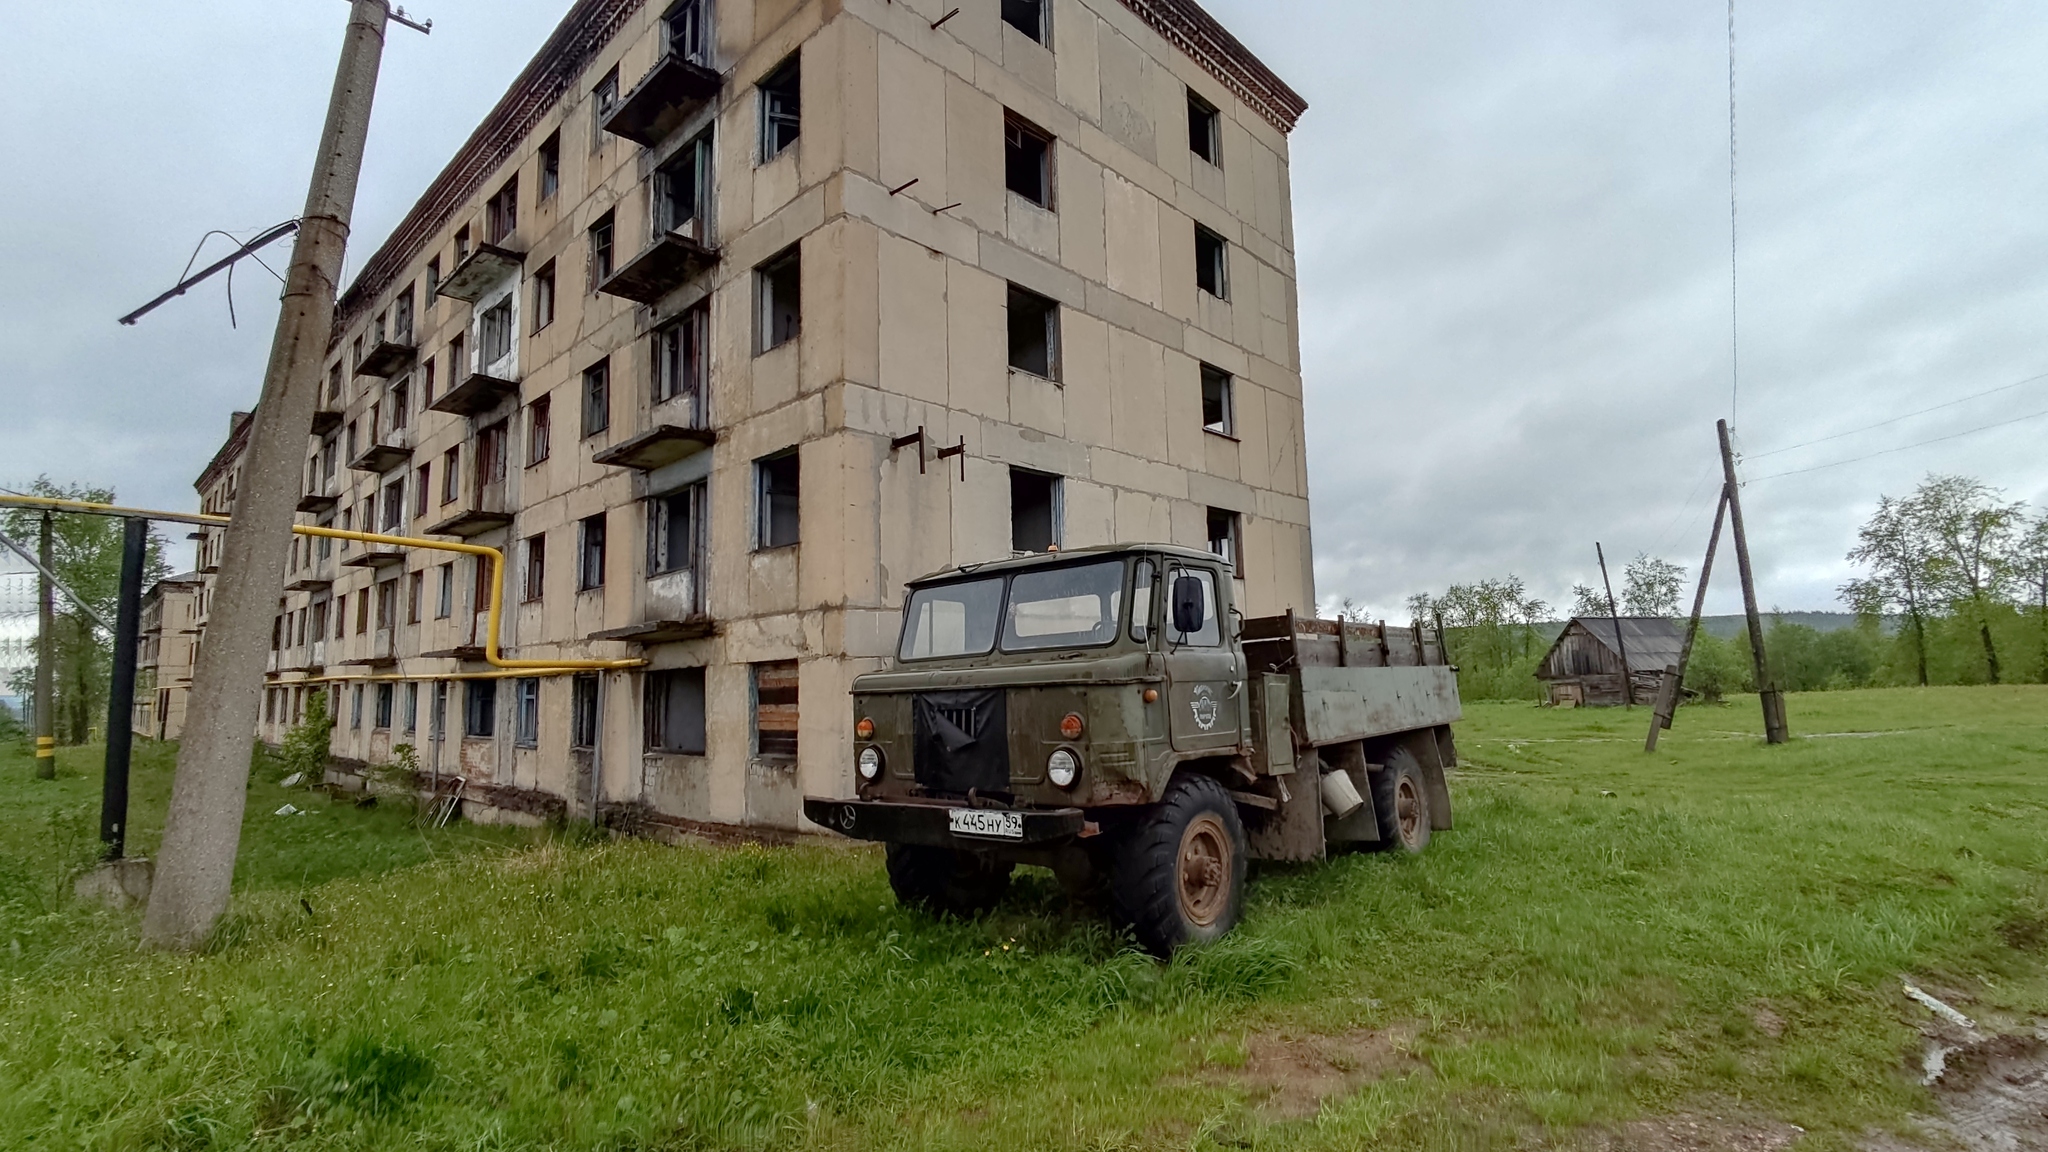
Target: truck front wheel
(1178, 876)
(1400, 798)
(941, 880)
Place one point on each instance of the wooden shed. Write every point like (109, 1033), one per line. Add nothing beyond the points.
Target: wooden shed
(1584, 666)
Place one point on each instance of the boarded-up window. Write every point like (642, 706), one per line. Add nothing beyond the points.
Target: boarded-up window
(675, 711)
(775, 711)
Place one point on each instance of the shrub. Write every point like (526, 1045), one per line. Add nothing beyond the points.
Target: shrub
(305, 747)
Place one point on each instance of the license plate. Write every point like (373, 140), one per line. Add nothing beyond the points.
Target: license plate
(985, 822)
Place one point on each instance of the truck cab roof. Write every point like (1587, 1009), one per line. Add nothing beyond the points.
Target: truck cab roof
(1045, 559)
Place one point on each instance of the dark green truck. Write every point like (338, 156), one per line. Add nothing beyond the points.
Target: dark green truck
(1109, 714)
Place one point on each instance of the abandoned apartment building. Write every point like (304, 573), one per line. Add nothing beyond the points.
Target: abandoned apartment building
(734, 316)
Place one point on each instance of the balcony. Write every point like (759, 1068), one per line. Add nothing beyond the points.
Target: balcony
(675, 258)
(476, 394)
(672, 609)
(383, 651)
(377, 556)
(326, 419)
(387, 359)
(479, 272)
(310, 580)
(322, 499)
(472, 648)
(485, 511)
(670, 92)
(386, 452)
(658, 447)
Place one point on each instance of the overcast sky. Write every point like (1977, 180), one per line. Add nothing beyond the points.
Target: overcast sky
(1512, 223)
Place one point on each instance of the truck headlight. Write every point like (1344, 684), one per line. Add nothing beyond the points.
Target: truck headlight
(869, 762)
(1063, 767)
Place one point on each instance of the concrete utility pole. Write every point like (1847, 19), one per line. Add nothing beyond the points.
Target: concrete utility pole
(46, 657)
(203, 829)
(1775, 729)
(121, 701)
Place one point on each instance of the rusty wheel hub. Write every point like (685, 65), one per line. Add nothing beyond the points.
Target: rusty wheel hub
(1408, 809)
(1205, 870)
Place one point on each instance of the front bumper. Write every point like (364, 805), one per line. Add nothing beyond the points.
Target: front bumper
(897, 822)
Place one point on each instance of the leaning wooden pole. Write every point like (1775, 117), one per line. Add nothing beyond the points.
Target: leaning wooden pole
(1674, 676)
(1628, 687)
(1775, 729)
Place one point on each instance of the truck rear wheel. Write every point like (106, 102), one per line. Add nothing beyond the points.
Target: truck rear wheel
(1178, 876)
(941, 880)
(1400, 798)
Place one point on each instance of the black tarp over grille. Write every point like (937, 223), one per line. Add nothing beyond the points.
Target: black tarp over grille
(962, 741)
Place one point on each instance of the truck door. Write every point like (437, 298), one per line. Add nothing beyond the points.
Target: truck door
(1204, 676)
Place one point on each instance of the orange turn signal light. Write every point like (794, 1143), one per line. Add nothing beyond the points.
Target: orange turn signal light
(864, 728)
(1151, 695)
(1070, 726)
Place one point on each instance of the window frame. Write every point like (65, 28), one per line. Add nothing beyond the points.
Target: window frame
(544, 296)
(1018, 135)
(785, 267)
(549, 161)
(1205, 130)
(783, 83)
(603, 235)
(767, 470)
(659, 711)
(533, 568)
(590, 553)
(597, 398)
(539, 430)
(1042, 34)
(1232, 538)
(526, 712)
(1218, 268)
(1226, 385)
(1049, 314)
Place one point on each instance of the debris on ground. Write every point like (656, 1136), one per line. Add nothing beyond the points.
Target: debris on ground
(1938, 1008)
(289, 810)
(294, 780)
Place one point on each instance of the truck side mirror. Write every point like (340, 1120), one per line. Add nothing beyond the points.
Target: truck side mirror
(1187, 605)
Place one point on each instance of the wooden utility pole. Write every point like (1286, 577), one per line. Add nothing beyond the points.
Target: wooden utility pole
(1775, 729)
(1674, 676)
(121, 700)
(202, 831)
(46, 657)
(1628, 688)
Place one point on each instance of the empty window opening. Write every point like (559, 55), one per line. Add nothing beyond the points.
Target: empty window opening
(603, 99)
(544, 297)
(433, 279)
(776, 480)
(600, 251)
(526, 713)
(675, 711)
(394, 506)
(1212, 263)
(1027, 160)
(680, 357)
(480, 709)
(401, 316)
(462, 244)
(536, 568)
(501, 213)
(781, 108)
(539, 430)
(387, 604)
(458, 358)
(451, 475)
(590, 553)
(779, 288)
(775, 709)
(491, 444)
(682, 190)
(597, 397)
(444, 600)
(399, 403)
(1218, 414)
(1224, 535)
(494, 332)
(355, 712)
(1035, 499)
(583, 712)
(386, 694)
(551, 165)
(1028, 17)
(674, 531)
(689, 31)
(415, 596)
(412, 707)
(1034, 333)
(1205, 130)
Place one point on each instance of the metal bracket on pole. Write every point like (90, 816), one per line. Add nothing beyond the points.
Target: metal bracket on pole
(75, 598)
(959, 450)
(902, 442)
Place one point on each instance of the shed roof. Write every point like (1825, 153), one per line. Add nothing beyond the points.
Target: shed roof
(1653, 641)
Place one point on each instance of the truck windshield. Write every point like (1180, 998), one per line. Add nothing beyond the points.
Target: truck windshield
(952, 620)
(1064, 607)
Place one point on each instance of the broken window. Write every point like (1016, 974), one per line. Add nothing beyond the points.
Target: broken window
(412, 707)
(1028, 17)
(679, 356)
(458, 359)
(583, 712)
(400, 403)
(597, 397)
(603, 99)
(675, 711)
(781, 108)
(1034, 333)
(682, 190)
(536, 567)
(779, 288)
(1212, 263)
(427, 382)
(538, 431)
(1034, 511)
(490, 455)
(355, 710)
(1218, 416)
(674, 525)
(451, 474)
(461, 244)
(334, 383)
(551, 165)
(1223, 534)
(480, 709)
(544, 297)
(401, 316)
(363, 612)
(775, 499)
(387, 605)
(394, 506)
(444, 601)
(1027, 159)
(590, 553)
(494, 332)
(600, 251)
(422, 489)
(415, 597)
(775, 709)
(1205, 129)
(526, 713)
(689, 31)
(501, 213)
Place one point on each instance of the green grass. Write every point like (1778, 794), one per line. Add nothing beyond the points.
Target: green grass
(1590, 945)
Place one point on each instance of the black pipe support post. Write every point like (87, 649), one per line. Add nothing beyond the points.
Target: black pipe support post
(121, 705)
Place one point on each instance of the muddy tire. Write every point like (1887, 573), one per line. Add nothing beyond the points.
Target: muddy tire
(1400, 798)
(1178, 874)
(942, 881)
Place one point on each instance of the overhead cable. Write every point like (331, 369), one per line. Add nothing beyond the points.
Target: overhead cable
(1904, 447)
(1907, 416)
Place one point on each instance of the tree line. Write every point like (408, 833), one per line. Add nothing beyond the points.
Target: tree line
(1954, 590)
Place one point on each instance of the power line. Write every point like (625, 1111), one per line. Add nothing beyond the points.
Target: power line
(1907, 416)
(1904, 447)
(1734, 333)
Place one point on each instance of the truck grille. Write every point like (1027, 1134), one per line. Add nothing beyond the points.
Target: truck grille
(961, 742)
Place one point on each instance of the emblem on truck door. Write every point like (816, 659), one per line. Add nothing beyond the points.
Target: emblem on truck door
(1204, 707)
